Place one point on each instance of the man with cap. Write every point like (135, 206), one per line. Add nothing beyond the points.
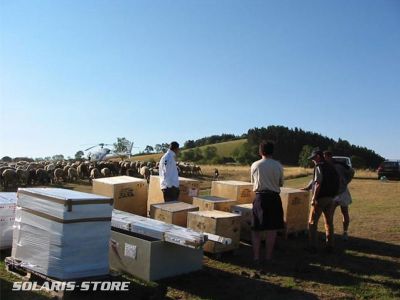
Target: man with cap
(324, 187)
(168, 171)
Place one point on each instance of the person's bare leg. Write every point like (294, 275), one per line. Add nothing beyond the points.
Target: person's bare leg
(256, 241)
(270, 241)
(346, 217)
(346, 221)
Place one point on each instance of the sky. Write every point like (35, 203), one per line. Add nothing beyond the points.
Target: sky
(77, 73)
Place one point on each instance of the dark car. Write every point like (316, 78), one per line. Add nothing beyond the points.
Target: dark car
(390, 169)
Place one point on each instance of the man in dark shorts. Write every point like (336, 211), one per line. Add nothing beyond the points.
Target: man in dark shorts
(324, 186)
(267, 178)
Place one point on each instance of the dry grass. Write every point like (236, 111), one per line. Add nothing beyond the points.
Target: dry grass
(238, 172)
(367, 174)
(365, 267)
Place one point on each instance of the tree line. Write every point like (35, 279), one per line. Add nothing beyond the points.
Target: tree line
(293, 146)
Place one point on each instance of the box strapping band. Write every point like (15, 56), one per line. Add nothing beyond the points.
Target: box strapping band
(58, 220)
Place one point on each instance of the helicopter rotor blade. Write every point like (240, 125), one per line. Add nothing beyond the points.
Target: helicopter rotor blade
(89, 148)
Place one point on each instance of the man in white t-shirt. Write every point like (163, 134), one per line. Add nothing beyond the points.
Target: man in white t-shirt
(168, 171)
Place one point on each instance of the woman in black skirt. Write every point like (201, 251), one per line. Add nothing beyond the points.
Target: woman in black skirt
(267, 178)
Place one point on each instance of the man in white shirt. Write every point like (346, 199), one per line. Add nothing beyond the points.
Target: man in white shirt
(267, 178)
(168, 171)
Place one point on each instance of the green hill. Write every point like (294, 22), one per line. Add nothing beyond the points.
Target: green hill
(224, 149)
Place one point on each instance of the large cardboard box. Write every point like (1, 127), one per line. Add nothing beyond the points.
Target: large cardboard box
(189, 188)
(246, 215)
(149, 258)
(173, 212)
(129, 193)
(295, 204)
(216, 222)
(240, 191)
(213, 203)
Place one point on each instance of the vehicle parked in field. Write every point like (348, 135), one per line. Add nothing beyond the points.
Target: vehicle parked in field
(389, 169)
(343, 159)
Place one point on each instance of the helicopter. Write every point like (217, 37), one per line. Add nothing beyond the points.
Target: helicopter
(103, 153)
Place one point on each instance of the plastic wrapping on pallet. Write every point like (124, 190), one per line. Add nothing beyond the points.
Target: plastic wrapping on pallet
(157, 229)
(62, 233)
(7, 215)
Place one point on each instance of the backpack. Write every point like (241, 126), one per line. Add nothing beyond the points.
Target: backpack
(330, 181)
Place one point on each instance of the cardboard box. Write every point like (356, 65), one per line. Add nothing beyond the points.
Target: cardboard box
(189, 188)
(213, 203)
(173, 212)
(151, 259)
(246, 215)
(240, 191)
(295, 204)
(216, 222)
(129, 193)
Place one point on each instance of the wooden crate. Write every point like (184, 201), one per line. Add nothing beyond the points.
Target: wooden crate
(240, 191)
(173, 212)
(295, 204)
(129, 193)
(189, 188)
(213, 203)
(216, 222)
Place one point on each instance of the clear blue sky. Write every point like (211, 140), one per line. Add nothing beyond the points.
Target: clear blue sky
(73, 73)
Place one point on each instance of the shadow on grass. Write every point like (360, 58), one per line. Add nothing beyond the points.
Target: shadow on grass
(354, 262)
(211, 283)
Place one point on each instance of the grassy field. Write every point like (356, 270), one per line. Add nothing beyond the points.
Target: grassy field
(367, 266)
(224, 149)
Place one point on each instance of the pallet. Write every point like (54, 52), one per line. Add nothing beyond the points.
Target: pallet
(14, 267)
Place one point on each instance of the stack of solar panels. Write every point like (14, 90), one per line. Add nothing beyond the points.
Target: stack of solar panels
(62, 233)
(157, 229)
(7, 216)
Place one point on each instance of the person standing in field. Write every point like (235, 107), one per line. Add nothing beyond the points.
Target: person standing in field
(343, 199)
(324, 185)
(168, 171)
(267, 178)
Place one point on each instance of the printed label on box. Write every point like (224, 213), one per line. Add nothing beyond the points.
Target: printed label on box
(130, 251)
(193, 192)
(125, 193)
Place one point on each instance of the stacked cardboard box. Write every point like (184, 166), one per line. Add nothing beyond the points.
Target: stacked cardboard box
(240, 191)
(129, 193)
(189, 188)
(213, 203)
(295, 204)
(246, 214)
(173, 212)
(216, 222)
